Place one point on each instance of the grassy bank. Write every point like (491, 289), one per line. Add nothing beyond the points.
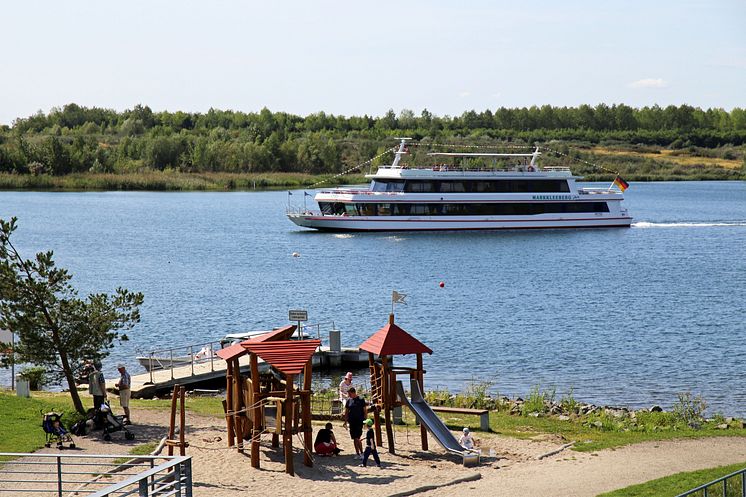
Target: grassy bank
(673, 485)
(634, 163)
(167, 181)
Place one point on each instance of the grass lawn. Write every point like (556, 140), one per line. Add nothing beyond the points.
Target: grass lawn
(21, 419)
(679, 483)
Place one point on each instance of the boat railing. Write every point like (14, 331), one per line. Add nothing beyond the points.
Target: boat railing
(597, 191)
(170, 358)
(301, 211)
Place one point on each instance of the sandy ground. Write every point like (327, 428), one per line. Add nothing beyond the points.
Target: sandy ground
(509, 466)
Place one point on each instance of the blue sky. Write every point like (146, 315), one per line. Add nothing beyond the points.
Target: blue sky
(356, 58)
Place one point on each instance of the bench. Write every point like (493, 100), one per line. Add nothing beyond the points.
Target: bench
(484, 414)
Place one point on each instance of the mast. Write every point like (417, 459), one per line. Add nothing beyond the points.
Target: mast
(402, 151)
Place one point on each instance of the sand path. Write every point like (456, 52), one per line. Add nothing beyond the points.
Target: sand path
(509, 468)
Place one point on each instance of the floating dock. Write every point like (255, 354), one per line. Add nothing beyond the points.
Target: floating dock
(211, 372)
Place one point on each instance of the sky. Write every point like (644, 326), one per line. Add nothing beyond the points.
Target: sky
(355, 58)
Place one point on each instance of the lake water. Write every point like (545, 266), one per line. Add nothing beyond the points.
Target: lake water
(622, 316)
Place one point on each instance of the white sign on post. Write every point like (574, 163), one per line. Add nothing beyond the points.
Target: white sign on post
(297, 315)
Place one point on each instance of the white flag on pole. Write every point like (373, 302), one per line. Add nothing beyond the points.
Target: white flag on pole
(398, 298)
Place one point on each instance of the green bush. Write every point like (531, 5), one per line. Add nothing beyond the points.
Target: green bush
(36, 376)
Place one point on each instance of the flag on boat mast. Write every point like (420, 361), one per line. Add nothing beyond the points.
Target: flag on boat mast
(620, 183)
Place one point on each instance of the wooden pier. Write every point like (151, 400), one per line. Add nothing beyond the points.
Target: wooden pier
(212, 370)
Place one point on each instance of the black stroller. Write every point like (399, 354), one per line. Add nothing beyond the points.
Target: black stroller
(111, 423)
(55, 431)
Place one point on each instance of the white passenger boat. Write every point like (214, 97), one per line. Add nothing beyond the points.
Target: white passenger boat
(454, 197)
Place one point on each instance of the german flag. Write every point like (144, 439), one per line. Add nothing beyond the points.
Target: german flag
(620, 183)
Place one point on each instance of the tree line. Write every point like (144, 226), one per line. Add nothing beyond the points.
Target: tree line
(76, 139)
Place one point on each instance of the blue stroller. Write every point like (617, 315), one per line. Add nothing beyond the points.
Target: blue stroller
(55, 431)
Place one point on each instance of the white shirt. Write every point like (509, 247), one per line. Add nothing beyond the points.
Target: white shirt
(466, 441)
(344, 388)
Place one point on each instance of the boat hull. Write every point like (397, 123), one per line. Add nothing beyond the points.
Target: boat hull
(391, 223)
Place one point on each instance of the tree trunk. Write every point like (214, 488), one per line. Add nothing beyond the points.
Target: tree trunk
(74, 394)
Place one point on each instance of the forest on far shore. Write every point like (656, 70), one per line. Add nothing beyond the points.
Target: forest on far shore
(673, 142)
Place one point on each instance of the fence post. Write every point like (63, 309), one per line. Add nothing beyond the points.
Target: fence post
(59, 476)
(177, 480)
(188, 477)
(142, 487)
(212, 356)
(172, 364)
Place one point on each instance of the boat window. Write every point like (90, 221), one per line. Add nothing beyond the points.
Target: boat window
(419, 186)
(367, 209)
(384, 209)
(351, 209)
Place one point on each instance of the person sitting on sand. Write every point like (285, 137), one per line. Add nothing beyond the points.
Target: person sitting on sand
(466, 441)
(326, 442)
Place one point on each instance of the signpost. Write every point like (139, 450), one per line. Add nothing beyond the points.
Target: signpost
(298, 315)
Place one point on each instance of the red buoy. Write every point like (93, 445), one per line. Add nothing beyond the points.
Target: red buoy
(441, 284)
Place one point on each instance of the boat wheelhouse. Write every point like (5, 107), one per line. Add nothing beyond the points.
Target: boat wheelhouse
(452, 197)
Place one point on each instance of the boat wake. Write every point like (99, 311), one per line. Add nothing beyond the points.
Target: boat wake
(728, 224)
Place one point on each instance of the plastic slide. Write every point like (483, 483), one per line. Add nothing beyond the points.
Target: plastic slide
(429, 419)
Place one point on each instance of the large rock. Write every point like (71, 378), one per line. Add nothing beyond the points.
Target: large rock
(656, 409)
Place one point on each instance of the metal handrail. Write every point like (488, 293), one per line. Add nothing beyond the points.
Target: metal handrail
(65, 473)
(724, 479)
(153, 360)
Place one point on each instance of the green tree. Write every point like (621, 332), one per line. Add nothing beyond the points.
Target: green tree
(57, 330)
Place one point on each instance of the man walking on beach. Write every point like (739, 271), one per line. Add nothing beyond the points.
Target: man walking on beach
(124, 392)
(96, 385)
(355, 408)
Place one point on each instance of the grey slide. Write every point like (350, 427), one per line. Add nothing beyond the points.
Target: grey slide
(429, 419)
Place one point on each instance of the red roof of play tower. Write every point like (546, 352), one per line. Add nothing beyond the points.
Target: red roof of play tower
(392, 340)
(287, 356)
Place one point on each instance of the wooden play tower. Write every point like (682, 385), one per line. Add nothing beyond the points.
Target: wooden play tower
(386, 343)
(268, 402)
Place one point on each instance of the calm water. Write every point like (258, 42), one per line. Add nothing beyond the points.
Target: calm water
(623, 316)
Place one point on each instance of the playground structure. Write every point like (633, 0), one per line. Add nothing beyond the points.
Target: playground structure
(387, 392)
(387, 342)
(269, 402)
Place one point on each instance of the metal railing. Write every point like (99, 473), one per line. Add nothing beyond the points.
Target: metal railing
(95, 475)
(732, 485)
(185, 355)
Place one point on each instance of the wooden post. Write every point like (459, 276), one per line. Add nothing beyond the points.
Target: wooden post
(256, 412)
(421, 382)
(172, 423)
(182, 415)
(306, 410)
(238, 419)
(287, 432)
(385, 395)
(228, 402)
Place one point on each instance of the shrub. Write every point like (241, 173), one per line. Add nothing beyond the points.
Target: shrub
(538, 400)
(689, 408)
(36, 376)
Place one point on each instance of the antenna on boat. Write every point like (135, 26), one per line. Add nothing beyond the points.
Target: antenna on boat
(402, 150)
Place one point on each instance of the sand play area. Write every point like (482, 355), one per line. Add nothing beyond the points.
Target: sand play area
(510, 467)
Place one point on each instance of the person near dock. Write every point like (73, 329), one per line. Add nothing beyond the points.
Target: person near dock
(355, 413)
(326, 443)
(96, 385)
(123, 385)
(370, 445)
(344, 387)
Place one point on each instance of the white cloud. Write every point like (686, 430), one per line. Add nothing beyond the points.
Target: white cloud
(649, 83)
(496, 95)
(464, 94)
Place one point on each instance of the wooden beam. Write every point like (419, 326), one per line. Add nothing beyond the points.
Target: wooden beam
(172, 422)
(182, 422)
(287, 432)
(305, 405)
(256, 412)
(421, 381)
(238, 419)
(228, 402)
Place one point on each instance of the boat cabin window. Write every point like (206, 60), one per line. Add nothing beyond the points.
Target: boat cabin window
(479, 186)
(460, 209)
(383, 185)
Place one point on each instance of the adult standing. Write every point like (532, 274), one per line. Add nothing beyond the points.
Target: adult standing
(123, 385)
(96, 385)
(344, 387)
(355, 413)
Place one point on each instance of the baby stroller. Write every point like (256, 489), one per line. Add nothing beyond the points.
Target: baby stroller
(55, 431)
(111, 423)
